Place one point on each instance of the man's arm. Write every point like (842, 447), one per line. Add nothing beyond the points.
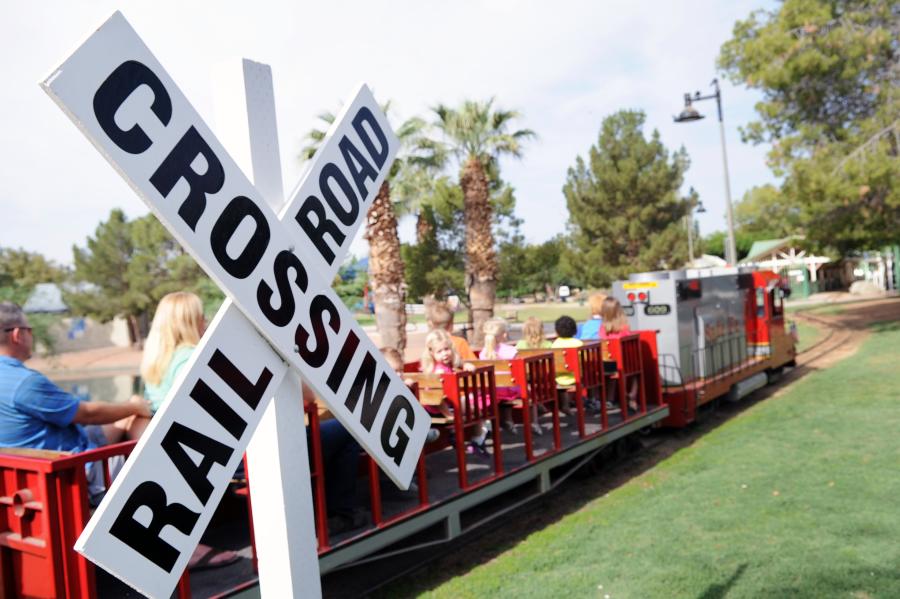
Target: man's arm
(98, 412)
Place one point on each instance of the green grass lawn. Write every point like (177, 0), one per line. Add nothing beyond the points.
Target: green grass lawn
(796, 497)
(548, 313)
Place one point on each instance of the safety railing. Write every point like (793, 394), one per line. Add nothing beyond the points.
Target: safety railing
(728, 353)
(529, 385)
(473, 396)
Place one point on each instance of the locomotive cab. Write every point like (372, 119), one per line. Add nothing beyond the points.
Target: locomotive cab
(766, 332)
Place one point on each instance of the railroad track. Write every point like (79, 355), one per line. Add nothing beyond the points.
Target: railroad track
(838, 337)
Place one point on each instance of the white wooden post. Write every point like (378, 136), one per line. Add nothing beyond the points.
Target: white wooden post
(244, 104)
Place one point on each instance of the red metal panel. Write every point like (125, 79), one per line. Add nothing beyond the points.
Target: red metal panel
(650, 368)
(43, 509)
(473, 396)
(534, 375)
(28, 531)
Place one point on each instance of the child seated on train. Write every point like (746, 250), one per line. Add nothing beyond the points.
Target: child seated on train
(496, 335)
(395, 360)
(615, 325)
(440, 357)
(441, 317)
(589, 330)
(565, 337)
(533, 335)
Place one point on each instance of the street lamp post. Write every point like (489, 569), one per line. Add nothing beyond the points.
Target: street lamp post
(690, 114)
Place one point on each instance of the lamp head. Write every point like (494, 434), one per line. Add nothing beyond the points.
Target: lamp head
(700, 209)
(689, 113)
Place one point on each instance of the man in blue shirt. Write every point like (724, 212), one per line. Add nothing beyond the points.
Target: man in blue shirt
(36, 413)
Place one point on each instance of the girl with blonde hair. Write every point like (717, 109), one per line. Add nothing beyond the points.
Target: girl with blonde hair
(440, 357)
(615, 323)
(496, 333)
(533, 335)
(176, 330)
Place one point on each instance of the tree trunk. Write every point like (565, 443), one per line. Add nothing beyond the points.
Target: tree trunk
(423, 227)
(134, 331)
(481, 258)
(386, 271)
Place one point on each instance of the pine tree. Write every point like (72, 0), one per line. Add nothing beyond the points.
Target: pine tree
(625, 214)
(128, 266)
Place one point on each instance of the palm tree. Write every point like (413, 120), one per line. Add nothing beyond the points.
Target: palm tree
(386, 269)
(476, 135)
(412, 191)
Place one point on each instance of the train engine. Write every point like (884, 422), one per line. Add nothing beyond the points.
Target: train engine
(721, 332)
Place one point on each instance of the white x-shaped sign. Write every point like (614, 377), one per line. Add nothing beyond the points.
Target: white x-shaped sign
(277, 271)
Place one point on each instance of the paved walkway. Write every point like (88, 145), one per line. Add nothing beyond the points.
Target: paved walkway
(89, 362)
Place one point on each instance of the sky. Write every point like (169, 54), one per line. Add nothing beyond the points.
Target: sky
(563, 65)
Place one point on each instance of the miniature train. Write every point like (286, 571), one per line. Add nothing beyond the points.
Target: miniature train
(697, 336)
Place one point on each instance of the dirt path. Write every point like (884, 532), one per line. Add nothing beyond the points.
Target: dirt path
(844, 334)
(845, 331)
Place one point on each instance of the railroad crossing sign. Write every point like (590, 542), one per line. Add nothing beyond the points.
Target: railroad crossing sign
(281, 312)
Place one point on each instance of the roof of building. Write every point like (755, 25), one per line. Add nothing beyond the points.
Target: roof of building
(766, 247)
(46, 297)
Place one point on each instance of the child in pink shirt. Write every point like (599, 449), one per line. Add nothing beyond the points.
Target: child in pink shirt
(440, 357)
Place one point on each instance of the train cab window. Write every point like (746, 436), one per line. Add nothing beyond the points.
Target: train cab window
(760, 302)
(777, 298)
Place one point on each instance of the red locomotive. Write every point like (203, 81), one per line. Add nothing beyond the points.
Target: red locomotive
(720, 332)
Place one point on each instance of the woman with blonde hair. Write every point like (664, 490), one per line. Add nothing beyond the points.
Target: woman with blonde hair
(176, 330)
(177, 327)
